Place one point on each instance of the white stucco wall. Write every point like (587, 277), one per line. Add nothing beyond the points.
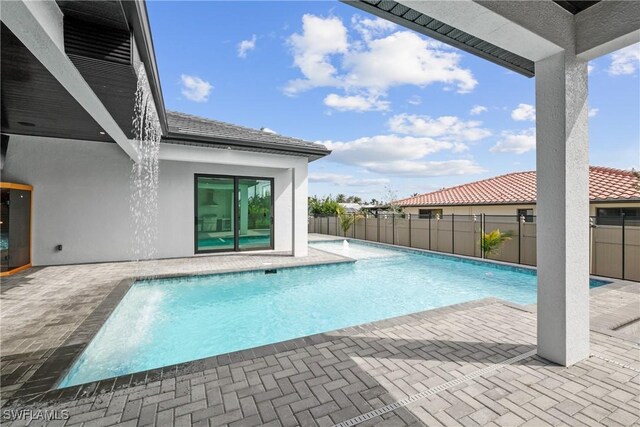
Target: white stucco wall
(81, 199)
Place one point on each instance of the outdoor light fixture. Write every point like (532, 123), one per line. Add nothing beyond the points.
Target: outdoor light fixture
(437, 217)
(475, 218)
(522, 219)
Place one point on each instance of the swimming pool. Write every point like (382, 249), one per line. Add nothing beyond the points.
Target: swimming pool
(168, 321)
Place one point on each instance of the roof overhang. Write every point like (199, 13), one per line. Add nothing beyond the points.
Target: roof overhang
(245, 145)
(517, 34)
(70, 69)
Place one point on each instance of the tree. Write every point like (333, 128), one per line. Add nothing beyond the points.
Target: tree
(346, 221)
(491, 242)
(326, 206)
(341, 198)
(392, 200)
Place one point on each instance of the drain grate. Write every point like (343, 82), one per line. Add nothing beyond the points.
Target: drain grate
(615, 362)
(431, 391)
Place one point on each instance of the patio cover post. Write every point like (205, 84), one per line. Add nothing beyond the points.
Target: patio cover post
(300, 208)
(562, 162)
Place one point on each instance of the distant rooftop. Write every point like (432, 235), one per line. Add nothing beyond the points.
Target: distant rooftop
(202, 131)
(605, 184)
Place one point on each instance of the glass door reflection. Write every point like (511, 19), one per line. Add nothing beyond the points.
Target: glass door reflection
(215, 227)
(255, 213)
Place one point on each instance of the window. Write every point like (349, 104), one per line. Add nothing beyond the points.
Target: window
(233, 213)
(429, 213)
(613, 216)
(526, 213)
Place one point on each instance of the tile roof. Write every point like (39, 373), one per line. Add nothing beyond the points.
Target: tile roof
(520, 187)
(181, 124)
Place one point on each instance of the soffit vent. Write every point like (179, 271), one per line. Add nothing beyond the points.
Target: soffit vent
(97, 42)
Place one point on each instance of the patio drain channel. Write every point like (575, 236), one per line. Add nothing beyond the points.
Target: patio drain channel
(615, 362)
(431, 391)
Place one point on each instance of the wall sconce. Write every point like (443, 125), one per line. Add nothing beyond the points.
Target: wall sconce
(522, 219)
(475, 218)
(437, 217)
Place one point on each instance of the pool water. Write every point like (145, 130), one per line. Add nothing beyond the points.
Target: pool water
(168, 321)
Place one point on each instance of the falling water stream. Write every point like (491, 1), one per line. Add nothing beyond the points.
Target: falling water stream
(144, 173)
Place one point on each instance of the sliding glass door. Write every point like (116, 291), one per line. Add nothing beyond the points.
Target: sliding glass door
(254, 213)
(233, 213)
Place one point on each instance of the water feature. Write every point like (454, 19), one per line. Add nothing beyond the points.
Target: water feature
(144, 172)
(345, 245)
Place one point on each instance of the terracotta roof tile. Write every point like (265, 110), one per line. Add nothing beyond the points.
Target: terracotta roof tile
(520, 187)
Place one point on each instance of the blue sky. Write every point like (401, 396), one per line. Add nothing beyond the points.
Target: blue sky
(399, 110)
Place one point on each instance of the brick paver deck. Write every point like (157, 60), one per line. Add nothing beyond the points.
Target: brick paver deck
(333, 377)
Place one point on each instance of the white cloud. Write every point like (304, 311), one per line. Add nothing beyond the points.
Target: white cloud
(593, 112)
(590, 68)
(405, 58)
(524, 112)
(320, 38)
(267, 130)
(370, 28)
(516, 142)
(346, 180)
(195, 89)
(415, 100)
(245, 46)
(380, 148)
(400, 156)
(428, 168)
(445, 127)
(478, 109)
(625, 61)
(372, 62)
(357, 103)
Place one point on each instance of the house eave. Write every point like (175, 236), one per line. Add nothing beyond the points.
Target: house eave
(246, 145)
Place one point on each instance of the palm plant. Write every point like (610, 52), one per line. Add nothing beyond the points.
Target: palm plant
(346, 220)
(491, 242)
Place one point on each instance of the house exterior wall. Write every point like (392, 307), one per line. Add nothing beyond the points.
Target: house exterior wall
(81, 199)
(509, 209)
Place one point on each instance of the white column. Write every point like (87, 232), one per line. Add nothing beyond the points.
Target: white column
(244, 210)
(562, 141)
(300, 210)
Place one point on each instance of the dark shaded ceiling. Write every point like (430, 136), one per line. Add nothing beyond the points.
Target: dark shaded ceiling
(35, 103)
(98, 41)
(575, 7)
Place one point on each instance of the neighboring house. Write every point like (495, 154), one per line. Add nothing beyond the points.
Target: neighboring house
(69, 76)
(612, 192)
(351, 207)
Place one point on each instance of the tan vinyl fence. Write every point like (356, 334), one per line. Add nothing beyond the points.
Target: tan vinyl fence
(615, 246)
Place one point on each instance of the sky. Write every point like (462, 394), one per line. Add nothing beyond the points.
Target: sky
(402, 113)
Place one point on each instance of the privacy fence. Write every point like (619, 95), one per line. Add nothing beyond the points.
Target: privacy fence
(614, 241)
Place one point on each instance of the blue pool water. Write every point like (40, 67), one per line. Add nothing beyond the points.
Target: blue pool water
(168, 321)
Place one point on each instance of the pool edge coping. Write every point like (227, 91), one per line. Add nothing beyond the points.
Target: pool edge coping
(144, 378)
(56, 366)
(43, 392)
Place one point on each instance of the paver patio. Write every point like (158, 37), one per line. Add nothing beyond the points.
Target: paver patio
(329, 378)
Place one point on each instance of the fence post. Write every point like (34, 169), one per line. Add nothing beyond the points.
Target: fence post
(378, 221)
(393, 228)
(354, 225)
(409, 230)
(365, 225)
(623, 246)
(429, 231)
(481, 235)
(520, 219)
(453, 234)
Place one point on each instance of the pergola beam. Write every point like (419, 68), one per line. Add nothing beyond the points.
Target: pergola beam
(595, 34)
